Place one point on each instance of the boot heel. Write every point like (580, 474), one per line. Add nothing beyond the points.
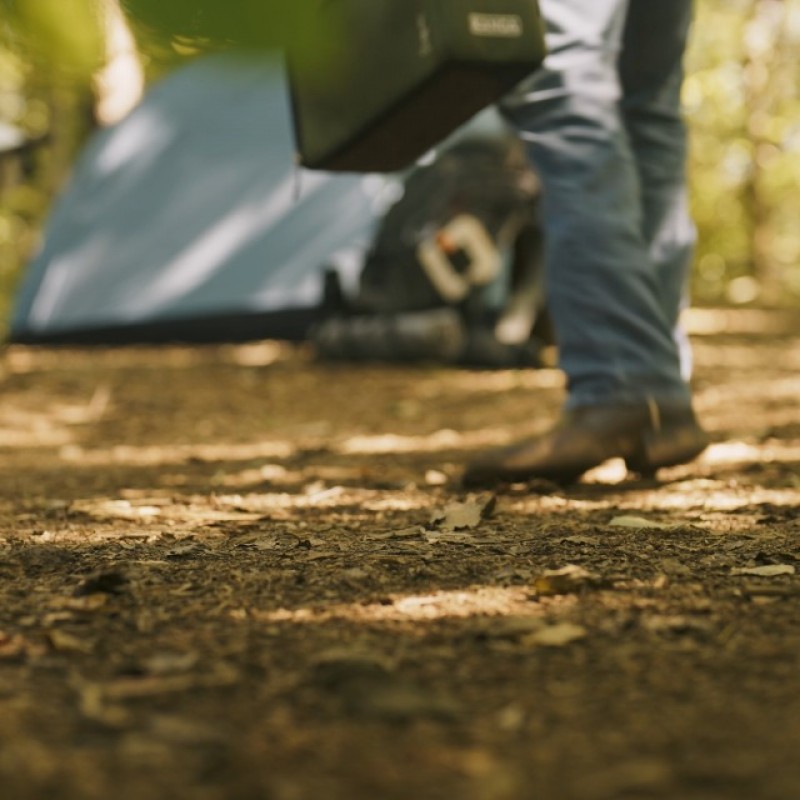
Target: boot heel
(667, 448)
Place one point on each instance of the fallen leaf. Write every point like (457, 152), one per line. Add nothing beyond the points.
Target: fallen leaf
(314, 541)
(184, 550)
(435, 478)
(437, 537)
(87, 604)
(67, 643)
(640, 523)
(55, 618)
(767, 571)
(559, 635)
(463, 516)
(567, 580)
(354, 574)
(317, 492)
(403, 533)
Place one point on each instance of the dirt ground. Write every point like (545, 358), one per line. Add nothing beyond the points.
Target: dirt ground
(238, 574)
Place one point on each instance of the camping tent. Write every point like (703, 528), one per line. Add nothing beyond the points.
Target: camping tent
(189, 220)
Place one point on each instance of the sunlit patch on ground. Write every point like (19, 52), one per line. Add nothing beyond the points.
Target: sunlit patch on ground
(613, 471)
(47, 422)
(477, 602)
(733, 452)
(22, 360)
(439, 441)
(495, 382)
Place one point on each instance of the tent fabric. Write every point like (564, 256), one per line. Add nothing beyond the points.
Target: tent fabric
(189, 220)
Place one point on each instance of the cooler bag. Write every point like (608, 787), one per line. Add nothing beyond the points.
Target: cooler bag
(400, 75)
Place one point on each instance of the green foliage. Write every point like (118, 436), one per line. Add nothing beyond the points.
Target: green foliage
(742, 97)
(48, 105)
(208, 24)
(63, 32)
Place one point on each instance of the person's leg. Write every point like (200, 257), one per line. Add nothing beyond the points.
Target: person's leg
(613, 324)
(615, 340)
(651, 71)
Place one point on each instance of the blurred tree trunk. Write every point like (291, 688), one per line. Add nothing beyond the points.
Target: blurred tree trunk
(68, 108)
(119, 83)
(77, 102)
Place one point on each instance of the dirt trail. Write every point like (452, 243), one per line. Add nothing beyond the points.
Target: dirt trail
(235, 574)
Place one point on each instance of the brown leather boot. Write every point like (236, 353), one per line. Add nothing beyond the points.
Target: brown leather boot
(648, 435)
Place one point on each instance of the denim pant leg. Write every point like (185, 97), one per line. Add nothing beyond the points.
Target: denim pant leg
(614, 335)
(651, 70)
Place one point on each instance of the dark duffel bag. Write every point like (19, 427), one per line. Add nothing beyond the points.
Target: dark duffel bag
(402, 74)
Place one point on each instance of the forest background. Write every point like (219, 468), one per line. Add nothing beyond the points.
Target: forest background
(63, 62)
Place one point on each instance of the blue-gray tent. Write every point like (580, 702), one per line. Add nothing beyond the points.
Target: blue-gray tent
(190, 221)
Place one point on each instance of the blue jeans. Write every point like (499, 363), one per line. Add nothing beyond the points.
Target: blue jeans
(604, 132)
